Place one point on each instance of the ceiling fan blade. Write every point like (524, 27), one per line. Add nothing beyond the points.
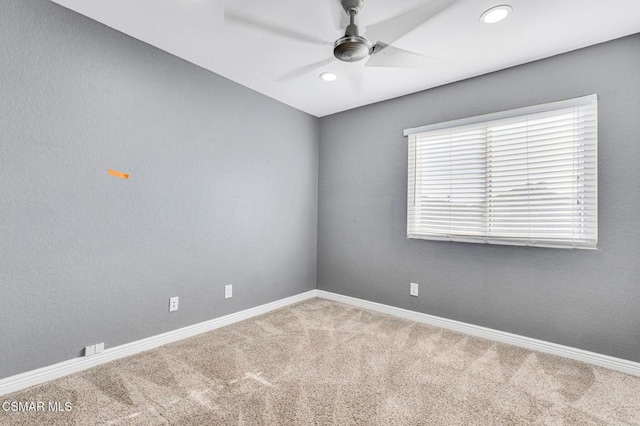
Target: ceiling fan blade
(236, 18)
(304, 70)
(394, 28)
(388, 56)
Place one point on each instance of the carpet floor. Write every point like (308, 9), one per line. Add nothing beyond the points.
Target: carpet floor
(320, 362)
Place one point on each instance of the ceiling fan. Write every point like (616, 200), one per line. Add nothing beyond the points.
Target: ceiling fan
(354, 46)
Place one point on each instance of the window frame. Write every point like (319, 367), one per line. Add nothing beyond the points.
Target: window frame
(590, 168)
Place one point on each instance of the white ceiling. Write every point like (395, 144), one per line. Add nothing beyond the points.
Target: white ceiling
(458, 44)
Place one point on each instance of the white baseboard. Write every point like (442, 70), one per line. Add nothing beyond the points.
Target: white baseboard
(593, 358)
(41, 375)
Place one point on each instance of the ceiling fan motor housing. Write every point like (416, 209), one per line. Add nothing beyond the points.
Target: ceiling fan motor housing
(352, 47)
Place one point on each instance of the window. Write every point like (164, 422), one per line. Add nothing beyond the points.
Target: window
(521, 177)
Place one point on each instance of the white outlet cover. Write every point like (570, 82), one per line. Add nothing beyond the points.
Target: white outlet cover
(173, 304)
(89, 350)
(228, 291)
(413, 291)
(99, 347)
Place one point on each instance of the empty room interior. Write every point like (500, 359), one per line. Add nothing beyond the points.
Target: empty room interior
(321, 212)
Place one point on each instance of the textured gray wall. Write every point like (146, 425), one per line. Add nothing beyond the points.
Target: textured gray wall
(584, 299)
(223, 190)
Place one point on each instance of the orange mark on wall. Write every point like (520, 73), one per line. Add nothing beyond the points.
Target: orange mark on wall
(117, 174)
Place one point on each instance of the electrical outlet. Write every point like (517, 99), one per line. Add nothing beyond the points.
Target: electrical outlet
(89, 350)
(413, 290)
(173, 304)
(228, 291)
(93, 349)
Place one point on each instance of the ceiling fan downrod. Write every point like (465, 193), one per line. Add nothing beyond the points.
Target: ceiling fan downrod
(352, 47)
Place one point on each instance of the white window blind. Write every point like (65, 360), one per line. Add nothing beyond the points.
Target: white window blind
(520, 177)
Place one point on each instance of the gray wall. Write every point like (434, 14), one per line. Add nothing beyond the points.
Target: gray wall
(223, 190)
(584, 299)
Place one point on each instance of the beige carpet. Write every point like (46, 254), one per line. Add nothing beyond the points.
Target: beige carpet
(321, 362)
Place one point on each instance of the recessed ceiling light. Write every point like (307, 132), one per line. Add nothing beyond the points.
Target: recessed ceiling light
(496, 14)
(328, 76)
